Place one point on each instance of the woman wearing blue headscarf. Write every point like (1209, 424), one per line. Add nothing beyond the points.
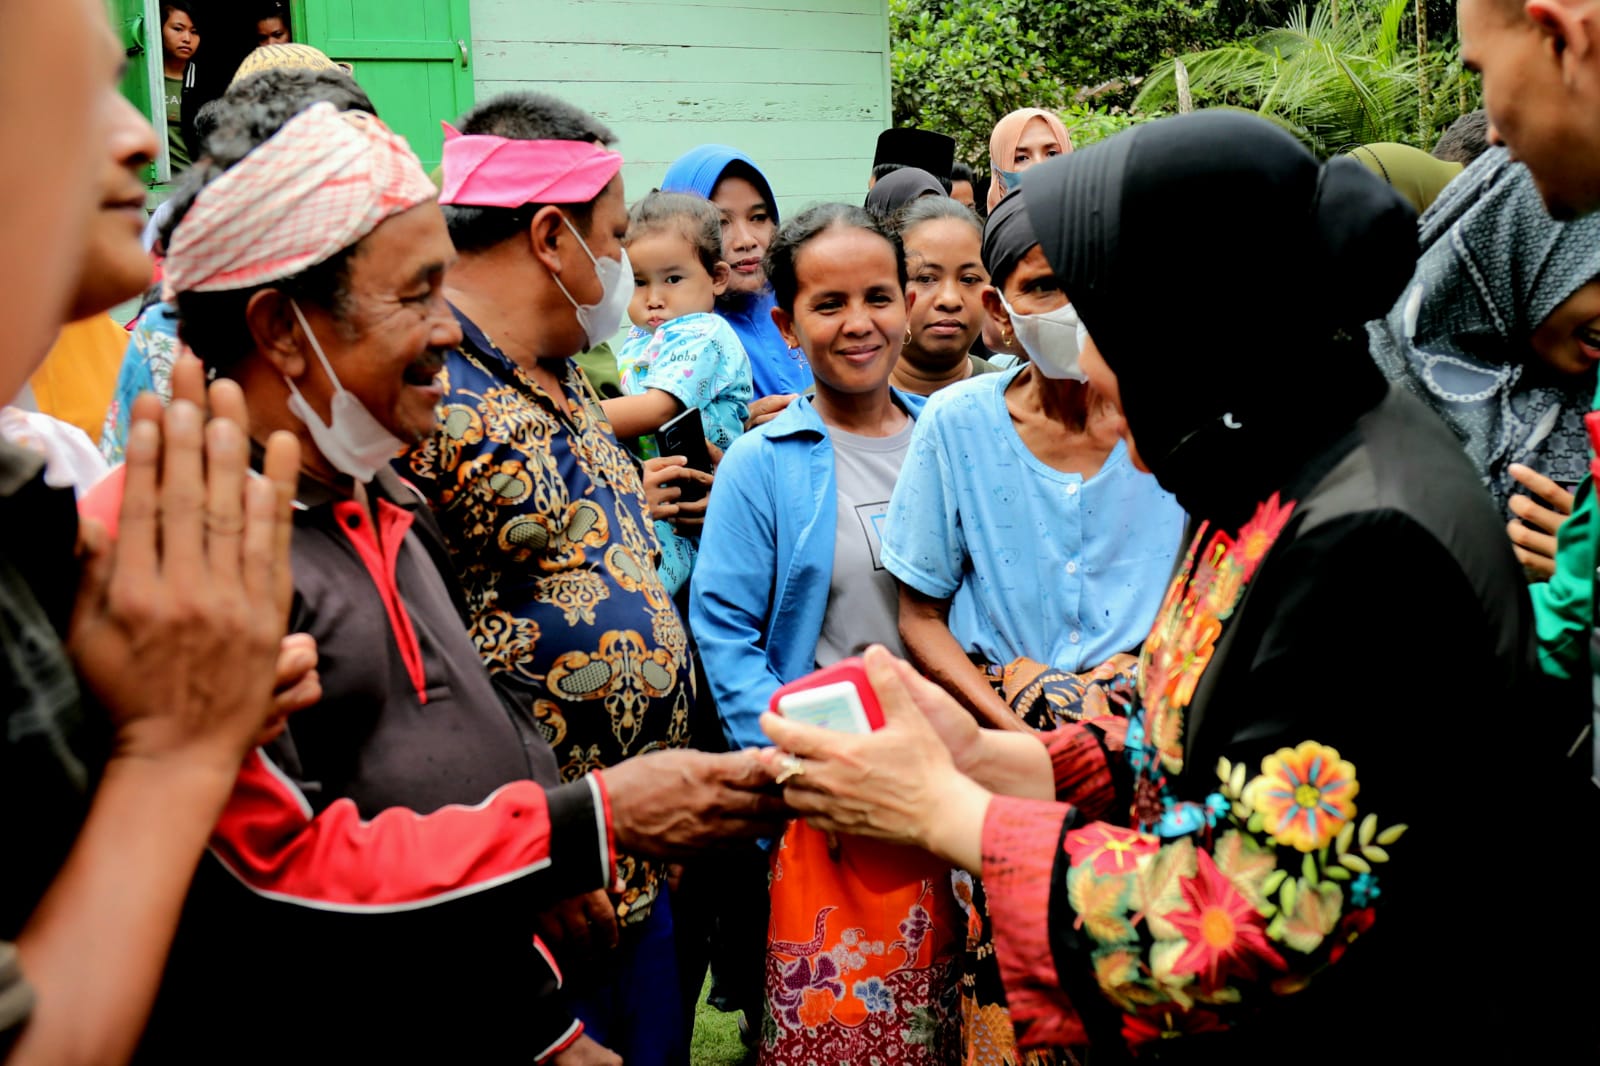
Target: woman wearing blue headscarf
(731, 180)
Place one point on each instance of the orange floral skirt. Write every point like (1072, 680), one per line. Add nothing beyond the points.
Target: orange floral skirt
(861, 954)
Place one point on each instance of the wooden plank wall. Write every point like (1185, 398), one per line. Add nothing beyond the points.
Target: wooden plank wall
(800, 85)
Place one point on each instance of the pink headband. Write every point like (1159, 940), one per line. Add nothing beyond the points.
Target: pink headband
(318, 185)
(485, 171)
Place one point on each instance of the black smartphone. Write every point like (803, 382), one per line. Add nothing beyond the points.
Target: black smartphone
(685, 435)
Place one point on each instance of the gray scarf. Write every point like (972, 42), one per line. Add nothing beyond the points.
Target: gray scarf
(1494, 266)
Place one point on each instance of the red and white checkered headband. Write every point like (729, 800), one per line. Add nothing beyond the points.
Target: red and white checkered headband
(317, 186)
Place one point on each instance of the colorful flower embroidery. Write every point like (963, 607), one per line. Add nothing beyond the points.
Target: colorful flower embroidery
(1258, 535)
(1110, 849)
(1315, 913)
(1180, 646)
(1351, 927)
(1203, 907)
(1194, 653)
(1224, 933)
(1164, 1023)
(1306, 796)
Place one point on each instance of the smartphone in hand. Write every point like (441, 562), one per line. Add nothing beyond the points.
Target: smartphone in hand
(685, 435)
(835, 697)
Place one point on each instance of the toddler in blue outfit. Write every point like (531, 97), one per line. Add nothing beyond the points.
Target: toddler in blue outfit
(678, 354)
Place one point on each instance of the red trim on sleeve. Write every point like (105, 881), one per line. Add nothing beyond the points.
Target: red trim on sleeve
(269, 839)
(1083, 774)
(564, 1041)
(380, 553)
(549, 958)
(1020, 840)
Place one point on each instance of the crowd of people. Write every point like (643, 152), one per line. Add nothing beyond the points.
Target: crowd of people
(393, 677)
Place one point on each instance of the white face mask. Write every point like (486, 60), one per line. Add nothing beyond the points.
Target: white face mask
(600, 321)
(1052, 340)
(354, 443)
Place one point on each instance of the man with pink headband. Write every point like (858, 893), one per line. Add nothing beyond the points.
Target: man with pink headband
(547, 523)
(376, 877)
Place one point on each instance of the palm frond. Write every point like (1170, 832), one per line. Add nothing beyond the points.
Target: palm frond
(1332, 84)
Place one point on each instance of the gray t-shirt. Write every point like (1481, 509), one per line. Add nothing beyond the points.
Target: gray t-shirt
(863, 600)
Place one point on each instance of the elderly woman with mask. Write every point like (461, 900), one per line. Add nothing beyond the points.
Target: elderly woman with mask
(1247, 853)
(1034, 449)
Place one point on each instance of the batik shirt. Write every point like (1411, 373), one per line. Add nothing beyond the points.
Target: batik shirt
(698, 360)
(552, 542)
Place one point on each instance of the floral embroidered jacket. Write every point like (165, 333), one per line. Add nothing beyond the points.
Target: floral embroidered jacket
(1274, 845)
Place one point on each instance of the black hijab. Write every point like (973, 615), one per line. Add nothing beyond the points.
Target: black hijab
(1225, 276)
(1007, 237)
(893, 191)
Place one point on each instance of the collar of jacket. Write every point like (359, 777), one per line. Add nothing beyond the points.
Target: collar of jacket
(800, 419)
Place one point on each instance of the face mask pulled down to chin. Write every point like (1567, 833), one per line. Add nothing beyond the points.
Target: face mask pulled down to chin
(352, 441)
(600, 321)
(1052, 340)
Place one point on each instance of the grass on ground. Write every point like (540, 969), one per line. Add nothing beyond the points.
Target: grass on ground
(716, 1037)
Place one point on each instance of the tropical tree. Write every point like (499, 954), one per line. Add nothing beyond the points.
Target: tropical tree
(959, 65)
(1337, 75)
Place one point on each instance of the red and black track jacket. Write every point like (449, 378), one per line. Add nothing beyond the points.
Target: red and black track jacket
(374, 880)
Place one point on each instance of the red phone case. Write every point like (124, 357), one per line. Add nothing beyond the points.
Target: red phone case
(851, 670)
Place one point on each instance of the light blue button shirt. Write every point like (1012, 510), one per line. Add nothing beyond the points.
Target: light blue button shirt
(1038, 563)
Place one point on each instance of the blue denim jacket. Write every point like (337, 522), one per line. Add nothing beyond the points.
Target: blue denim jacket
(760, 588)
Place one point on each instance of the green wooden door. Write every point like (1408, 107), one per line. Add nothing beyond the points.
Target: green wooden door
(411, 56)
(137, 24)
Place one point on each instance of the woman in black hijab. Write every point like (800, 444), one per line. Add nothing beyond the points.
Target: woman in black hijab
(1289, 838)
(894, 191)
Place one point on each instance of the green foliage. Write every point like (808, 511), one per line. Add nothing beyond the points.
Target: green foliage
(1088, 124)
(1337, 76)
(960, 65)
(1337, 73)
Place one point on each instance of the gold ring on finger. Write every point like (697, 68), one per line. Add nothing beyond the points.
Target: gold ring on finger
(789, 766)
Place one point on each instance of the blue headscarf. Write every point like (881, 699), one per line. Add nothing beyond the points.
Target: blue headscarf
(699, 169)
(1494, 266)
(774, 366)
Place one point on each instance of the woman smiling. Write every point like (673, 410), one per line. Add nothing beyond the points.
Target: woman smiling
(863, 937)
